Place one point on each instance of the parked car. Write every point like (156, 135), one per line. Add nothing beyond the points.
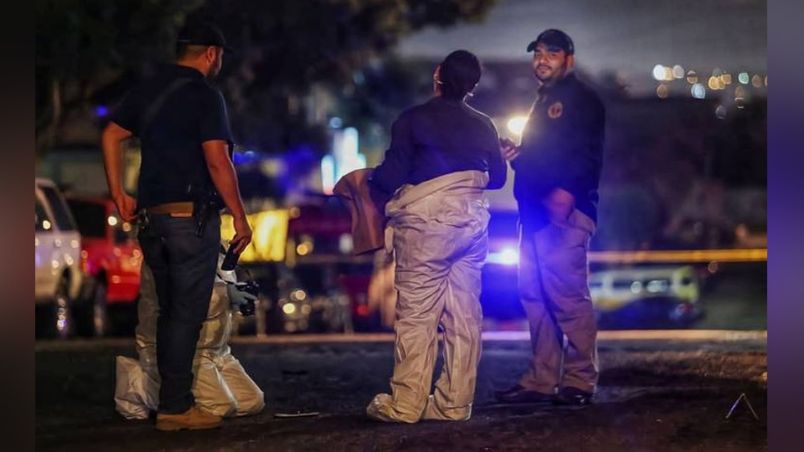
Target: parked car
(646, 297)
(110, 260)
(57, 273)
(309, 280)
(319, 254)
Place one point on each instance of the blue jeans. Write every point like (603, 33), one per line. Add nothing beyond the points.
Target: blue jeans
(183, 265)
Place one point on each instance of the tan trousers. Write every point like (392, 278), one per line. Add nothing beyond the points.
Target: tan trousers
(441, 244)
(554, 290)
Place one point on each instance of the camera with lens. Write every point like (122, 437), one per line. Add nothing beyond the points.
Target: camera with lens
(243, 296)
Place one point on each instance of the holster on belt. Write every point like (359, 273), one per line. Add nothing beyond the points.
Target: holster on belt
(202, 210)
(206, 202)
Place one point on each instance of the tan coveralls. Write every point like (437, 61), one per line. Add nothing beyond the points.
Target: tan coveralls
(221, 385)
(440, 238)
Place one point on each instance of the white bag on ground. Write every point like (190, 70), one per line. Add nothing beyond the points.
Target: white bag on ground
(136, 392)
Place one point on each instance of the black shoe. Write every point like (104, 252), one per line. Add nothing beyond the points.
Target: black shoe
(518, 394)
(573, 396)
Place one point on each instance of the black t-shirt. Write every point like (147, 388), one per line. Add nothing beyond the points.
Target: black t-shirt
(562, 147)
(173, 165)
(439, 137)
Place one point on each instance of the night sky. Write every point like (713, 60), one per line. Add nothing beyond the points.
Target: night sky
(626, 36)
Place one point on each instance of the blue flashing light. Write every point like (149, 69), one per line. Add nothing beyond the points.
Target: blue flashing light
(243, 158)
(506, 256)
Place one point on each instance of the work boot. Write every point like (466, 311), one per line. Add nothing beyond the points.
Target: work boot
(519, 394)
(573, 396)
(193, 419)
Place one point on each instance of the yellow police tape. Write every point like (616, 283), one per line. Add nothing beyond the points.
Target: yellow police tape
(270, 227)
(686, 256)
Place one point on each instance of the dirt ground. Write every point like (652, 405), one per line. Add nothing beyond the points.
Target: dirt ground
(654, 395)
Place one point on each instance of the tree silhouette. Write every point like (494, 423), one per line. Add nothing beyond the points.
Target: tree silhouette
(90, 51)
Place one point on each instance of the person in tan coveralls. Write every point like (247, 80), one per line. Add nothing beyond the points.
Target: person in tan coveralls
(557, 175)
(221, 385)
(443, 154)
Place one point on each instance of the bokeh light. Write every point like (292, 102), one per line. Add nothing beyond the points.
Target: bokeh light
(658, 72)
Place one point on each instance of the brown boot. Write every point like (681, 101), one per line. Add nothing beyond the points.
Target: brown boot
(193, 419)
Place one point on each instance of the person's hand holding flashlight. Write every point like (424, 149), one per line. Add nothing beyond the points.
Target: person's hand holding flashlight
(510, 151)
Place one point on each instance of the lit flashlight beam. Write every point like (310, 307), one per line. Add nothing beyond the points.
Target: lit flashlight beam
(516, 124)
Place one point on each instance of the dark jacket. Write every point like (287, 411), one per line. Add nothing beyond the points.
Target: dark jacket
(439, 137)
(562, 147)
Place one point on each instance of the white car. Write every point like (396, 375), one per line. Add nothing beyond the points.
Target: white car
(57, 248)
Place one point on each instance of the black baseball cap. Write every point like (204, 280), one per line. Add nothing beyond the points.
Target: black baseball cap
(202, 34)
(554, 40)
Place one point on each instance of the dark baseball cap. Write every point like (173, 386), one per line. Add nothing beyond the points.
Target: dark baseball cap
(202, 34)
(554, 40)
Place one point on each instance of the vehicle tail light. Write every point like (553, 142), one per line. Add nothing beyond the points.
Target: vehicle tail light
(84, 261)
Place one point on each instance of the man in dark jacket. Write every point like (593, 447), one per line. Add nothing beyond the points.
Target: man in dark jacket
(557, 171)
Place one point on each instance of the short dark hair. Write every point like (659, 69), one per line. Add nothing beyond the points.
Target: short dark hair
(460, 71)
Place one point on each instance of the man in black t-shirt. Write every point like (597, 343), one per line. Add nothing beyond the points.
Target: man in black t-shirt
(183, 128)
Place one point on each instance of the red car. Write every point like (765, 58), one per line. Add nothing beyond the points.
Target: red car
(322, 237)
(110, 261)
